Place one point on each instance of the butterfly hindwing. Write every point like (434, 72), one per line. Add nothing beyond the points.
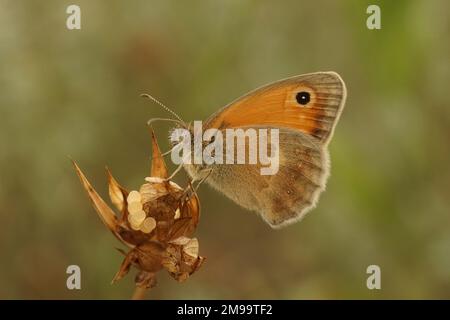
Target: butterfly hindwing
(286, 196)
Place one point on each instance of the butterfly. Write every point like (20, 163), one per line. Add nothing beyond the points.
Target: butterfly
(305, 109)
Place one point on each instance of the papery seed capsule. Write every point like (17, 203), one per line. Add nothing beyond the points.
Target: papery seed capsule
(148, 193)
(134, 207)
(135, 226)
(139, 216)
(136, 219)
(157, 180)
(191, 248)
(181, 241)
(154, 179)
(134, 196)
(148, 225)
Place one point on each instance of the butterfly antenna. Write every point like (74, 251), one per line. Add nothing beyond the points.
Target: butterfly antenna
(146, 95)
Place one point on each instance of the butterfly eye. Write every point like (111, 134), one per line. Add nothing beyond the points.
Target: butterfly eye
(302, 97)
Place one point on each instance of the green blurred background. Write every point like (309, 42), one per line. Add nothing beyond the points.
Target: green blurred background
(76, 93)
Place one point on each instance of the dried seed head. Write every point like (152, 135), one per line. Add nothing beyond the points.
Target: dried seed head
(156, 222)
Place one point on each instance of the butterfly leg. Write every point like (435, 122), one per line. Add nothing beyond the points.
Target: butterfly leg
(174, 173)
(203, 171)
(188, 192)
(190, 189)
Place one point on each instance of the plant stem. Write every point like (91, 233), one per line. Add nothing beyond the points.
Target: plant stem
(139, 293)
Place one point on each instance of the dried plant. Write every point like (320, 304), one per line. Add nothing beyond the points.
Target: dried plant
(156, 223)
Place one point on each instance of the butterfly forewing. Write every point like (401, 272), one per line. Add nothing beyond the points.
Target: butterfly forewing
(277, 105)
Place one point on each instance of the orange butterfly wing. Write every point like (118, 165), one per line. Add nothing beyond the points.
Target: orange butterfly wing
(310, 103)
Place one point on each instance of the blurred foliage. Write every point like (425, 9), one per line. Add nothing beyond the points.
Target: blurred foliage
(76, 93)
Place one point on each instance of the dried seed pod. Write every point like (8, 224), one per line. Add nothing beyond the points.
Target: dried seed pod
(180, 264)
